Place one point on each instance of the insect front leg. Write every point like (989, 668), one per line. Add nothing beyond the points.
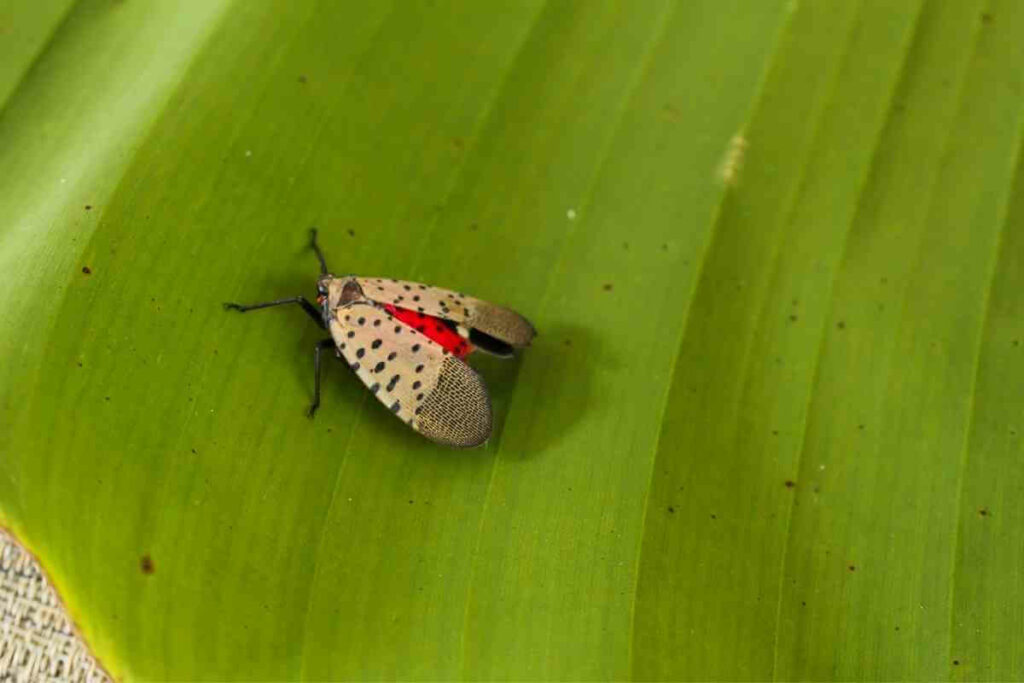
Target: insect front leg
(320, 345)
(311, 310)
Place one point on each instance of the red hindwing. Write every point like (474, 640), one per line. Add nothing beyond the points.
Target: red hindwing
(434, 328)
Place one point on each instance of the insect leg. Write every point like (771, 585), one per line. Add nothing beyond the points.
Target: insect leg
(319, 254)
(320, 345)
(311, 310)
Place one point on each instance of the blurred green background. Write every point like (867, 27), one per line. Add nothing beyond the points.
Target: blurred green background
(772, 425)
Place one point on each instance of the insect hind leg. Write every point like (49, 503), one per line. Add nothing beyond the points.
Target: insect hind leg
(320, 346)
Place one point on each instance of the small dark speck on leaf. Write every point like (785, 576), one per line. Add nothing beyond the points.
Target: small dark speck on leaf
(860, 427)
(775, 432)
(87, 270)
(88, 207)
(956, 662)
(410, 502)
(607, 287)
(351, 232)
(986, 18)
(852, 567)
(671, 509)
(803, 603)
(790, 483)
(664, 247)
(714, 516)
(302, 78)
(106, 398)
(193, 451)
(568, 342)
(792, 318)
(984, 512)
(473, 227)
(146, 564)
(79, 363)
(897, 628)
(841, 325)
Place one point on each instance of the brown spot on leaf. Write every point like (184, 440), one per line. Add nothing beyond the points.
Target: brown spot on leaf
(87, 270)
(146, 564)
(790, 483)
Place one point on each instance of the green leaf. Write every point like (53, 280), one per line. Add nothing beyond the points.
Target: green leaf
(771, 425)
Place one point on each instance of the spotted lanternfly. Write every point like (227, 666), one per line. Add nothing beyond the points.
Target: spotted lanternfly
(406, 341)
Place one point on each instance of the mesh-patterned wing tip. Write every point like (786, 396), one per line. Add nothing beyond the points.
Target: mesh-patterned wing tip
(504, 324)
(457, 412)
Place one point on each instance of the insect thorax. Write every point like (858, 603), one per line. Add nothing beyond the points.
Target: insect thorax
(342, 291)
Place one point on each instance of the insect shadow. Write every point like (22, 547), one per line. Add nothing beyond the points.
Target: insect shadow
(539, 399)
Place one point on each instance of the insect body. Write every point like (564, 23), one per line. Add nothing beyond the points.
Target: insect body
(406, 342)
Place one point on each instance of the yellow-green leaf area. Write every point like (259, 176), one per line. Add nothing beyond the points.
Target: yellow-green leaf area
(770, 427)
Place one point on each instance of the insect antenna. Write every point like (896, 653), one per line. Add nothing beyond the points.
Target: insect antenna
(316, 248)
